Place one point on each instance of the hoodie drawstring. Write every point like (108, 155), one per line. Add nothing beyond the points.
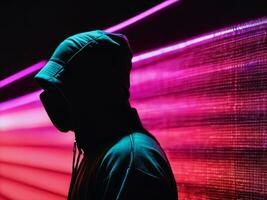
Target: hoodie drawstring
(75, 165)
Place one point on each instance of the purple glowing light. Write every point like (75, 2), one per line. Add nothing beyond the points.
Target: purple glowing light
(141, 16)
(148, 55)
(203, 104)
(20, 119)
(198, 40)
(117, 27)
(20, 101)
(22, 74)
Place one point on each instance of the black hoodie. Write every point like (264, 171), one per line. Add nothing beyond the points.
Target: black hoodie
(121, 159)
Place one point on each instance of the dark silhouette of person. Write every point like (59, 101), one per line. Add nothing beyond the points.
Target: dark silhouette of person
(86, 90)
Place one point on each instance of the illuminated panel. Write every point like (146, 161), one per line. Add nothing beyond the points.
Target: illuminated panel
(205, 99)
(207, 104)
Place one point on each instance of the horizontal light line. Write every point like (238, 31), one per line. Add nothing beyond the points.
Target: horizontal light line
(21, 165)
(25, 184)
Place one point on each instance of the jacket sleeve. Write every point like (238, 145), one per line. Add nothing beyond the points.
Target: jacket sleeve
(135, 184)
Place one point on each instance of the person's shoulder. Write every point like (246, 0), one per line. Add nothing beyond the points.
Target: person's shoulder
(124, 152)
(146, 146)
(118, 156)
(135, 151)
(134, 145)
(149, 156)
(144, 142)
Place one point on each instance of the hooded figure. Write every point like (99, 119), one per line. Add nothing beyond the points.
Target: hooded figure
(86, 90)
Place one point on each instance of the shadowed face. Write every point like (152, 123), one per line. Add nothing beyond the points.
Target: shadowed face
(57, 109)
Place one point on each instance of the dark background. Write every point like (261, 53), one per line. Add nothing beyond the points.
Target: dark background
(31, 30)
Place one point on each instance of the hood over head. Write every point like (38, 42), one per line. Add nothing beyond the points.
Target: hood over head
(91, 72)
(88, 60)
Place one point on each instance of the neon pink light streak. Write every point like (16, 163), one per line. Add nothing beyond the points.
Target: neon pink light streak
(48, 180)
(179, 46)
(211, 123)
(15, 120)
(55, 159)
(141, 16)
(117, 27)
(10, 189)
(34, 96)
(46, 137)
(196, 41)
(22, 74)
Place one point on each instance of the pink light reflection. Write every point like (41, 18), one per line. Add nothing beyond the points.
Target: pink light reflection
(39, 157)
(39, 136)
(141, 16)
(55, 182)
(22, 74)
(117, 27)
(158, 52)
(21, 120)
(206, 104)
(11, 189)
(197, 40)
(19, 101)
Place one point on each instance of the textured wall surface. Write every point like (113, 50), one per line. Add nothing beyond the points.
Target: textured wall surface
(207, 103)
(205, 100)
